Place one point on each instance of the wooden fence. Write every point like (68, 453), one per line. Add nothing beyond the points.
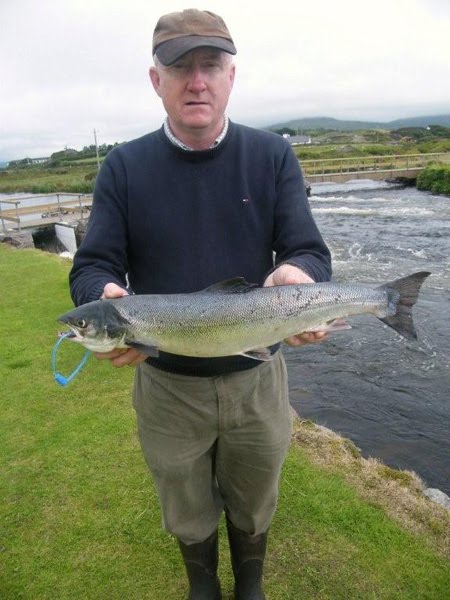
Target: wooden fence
(400, 165)
(56, 208)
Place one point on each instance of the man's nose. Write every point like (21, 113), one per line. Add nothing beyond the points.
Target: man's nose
(197, 80)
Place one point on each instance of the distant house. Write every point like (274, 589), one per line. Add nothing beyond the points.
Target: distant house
(38, 161)
(297, 140)
(21, 162)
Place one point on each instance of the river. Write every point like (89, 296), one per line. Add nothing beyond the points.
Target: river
(390, 396)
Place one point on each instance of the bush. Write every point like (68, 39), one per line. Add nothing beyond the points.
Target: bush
(379, 150)
(435, 179)
(435, 146)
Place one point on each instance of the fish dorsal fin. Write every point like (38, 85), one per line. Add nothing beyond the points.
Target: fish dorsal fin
(237, 285)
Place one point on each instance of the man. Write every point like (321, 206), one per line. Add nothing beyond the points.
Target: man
(197, 202)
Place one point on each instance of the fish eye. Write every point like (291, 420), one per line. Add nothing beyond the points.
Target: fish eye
(81, 323)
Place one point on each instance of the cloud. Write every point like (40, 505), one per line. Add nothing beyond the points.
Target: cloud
(74, 65)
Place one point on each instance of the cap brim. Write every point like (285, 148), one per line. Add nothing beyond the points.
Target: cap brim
(170, 51)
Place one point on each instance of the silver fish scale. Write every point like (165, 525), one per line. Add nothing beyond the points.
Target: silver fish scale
(214, 323)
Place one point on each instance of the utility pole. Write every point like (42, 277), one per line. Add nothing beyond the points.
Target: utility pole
(96, 150)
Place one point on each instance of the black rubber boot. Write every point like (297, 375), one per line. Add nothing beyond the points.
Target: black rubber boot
(247, 559)
(201, 562)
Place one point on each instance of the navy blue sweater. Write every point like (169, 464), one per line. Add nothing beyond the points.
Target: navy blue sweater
(178, 221)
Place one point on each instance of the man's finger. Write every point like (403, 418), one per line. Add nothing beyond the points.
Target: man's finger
(109, 355)
(306, 338)
(132, 357)
(112, 290)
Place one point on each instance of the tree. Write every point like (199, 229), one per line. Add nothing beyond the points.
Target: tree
(284, 130)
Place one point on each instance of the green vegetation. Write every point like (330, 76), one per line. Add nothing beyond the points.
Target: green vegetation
(333, 143)
(67, 156)
(41, 179)
(67, 171)
(378, 143)
(435, 179)
(423, 133)
(72, 171)
(79, 517)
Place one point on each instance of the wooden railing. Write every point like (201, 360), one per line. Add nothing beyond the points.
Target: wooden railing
(56, 208)
(371, 164)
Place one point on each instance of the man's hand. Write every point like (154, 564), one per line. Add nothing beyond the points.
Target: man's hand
(290, 275)
(120, 356)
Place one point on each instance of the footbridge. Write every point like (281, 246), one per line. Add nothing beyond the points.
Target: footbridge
(17, 212)
(388, 167)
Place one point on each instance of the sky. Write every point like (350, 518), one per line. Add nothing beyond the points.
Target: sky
(68, 67)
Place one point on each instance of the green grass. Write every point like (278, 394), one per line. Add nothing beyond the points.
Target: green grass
(73, 178)
(79, 517)
(349, 149)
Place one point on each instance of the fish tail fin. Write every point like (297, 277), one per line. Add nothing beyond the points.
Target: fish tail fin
(402, 295)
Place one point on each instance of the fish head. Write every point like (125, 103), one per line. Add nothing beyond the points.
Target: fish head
(98, 326)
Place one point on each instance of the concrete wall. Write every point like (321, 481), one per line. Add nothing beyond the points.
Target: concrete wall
(66, 236)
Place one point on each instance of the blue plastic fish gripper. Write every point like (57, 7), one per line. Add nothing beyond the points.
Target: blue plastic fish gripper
(57, 376)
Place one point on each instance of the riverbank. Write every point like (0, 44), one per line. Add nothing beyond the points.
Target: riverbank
(73, 178)
(435, 179)
(80, 514)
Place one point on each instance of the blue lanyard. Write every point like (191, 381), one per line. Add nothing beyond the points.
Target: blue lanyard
(57, 376)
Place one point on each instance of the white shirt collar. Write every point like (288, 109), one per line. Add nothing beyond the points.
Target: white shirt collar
(177, 142)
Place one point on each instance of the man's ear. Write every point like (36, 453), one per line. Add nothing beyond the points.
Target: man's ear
(232, 74)
(155, 79)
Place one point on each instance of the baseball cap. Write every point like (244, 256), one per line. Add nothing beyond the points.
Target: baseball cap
(180, 32)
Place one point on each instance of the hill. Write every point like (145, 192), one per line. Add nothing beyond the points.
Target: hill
(342, 125)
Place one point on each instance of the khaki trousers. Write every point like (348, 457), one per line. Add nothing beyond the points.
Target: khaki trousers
(213, 443)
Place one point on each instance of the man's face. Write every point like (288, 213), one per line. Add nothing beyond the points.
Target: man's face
(195, 90)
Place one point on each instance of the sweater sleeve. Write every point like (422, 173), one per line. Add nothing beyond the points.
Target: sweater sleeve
(297, 239)
(102, 255)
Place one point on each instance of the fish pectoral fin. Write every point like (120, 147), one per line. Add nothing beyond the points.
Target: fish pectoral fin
(258, 354)
(331, 327)
(144, 348)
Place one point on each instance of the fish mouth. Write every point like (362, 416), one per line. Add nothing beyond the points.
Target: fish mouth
(94, 344)
(73, 334)
(67, 334)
